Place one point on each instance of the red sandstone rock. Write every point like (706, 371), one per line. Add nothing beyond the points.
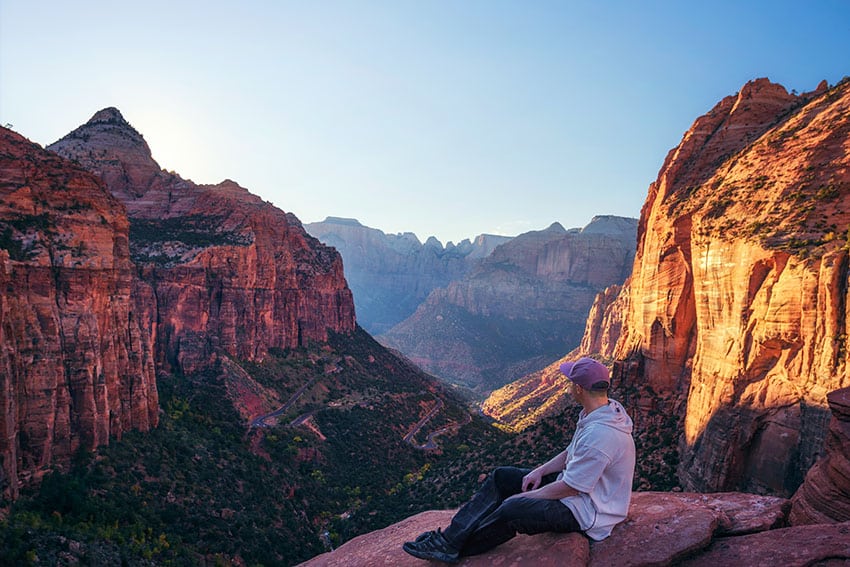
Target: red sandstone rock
(789, 547)
(734, 315)
(825, 495)
(383, 547)
(75, 363)
(227, 272)
(662, 529)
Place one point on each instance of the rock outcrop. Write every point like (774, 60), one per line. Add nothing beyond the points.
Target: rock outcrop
(737, 299)
(225, 272)
(521, 308)
(734, 316)
(75, 353)
(662, 529)
(824, 497)
(391, 274)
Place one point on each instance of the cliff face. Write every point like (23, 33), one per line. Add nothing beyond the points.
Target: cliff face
(75, 363)
(222, 271)
(824, 497)
(391, 274)
(520, 308)
(735, 312)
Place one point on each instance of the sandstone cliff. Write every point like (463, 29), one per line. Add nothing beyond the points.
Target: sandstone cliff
(734, 317)
(75, 353)
(391, 274)
(824, 497)
(222, 271)
(521, 308)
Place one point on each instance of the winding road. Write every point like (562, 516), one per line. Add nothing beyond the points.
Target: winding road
(261, 421)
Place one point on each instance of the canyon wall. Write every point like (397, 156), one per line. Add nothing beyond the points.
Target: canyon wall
(113, 269)
(228, 273)
(735, 313)
(520, 308)
(390, 275)
(75, 364)
(824, 497)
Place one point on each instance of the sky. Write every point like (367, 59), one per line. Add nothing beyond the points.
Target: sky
(441, 118)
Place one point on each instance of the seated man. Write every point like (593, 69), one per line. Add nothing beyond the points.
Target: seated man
(585, 488)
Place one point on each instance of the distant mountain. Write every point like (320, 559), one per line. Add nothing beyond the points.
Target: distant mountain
(520, 308)
(391, 274)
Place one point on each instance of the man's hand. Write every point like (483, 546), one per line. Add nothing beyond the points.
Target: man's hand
(532, 480)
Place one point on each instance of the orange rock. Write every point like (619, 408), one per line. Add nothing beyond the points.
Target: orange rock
(734, 316)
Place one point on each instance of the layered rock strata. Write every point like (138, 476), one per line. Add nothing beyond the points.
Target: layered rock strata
(228, 273)
(75, 364)
(737, 301)
(520, 308)
(824, 497)
(391, 274)
(734, 316)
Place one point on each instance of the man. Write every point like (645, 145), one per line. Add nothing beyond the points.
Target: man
(585, 488)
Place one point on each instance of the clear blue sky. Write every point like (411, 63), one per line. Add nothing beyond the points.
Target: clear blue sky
(444, 118)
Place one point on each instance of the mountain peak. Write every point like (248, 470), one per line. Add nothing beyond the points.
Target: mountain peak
(108, 115)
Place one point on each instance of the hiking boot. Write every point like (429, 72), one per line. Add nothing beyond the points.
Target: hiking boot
(432, 545)
(424, 535)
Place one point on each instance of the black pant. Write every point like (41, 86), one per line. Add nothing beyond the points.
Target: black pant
(487, 520)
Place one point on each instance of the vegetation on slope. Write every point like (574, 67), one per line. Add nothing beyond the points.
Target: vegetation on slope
(205, 489)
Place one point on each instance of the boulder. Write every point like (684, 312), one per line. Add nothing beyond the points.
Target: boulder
(799, 546)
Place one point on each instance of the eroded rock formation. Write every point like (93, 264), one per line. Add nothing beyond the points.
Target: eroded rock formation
(227, 272)
(75, 354)
(520, 308)
(736, 304)
(734, 316)
(391, 274)
(824, 497)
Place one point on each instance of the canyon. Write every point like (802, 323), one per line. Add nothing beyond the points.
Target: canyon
(114, 270)
(390, 275)
(519, 308)
(722, 312)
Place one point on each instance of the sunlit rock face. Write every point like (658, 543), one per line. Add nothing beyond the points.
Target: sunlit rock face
(735, 312)
(75, 357)
(226, 272)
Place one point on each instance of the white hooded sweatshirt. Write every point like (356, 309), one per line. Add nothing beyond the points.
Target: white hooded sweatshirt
(601, 466)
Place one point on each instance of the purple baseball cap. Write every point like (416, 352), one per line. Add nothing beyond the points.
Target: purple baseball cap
(587, 373)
